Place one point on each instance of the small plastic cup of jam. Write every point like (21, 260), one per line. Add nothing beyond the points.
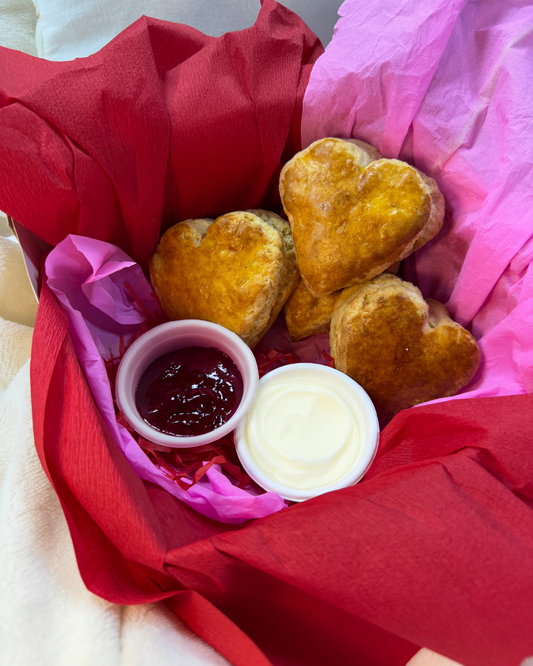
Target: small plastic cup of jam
(186, 383)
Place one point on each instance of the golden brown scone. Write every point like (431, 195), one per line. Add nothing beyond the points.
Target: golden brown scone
(401, 349)
(306, 314)
(436, 216)
(353, 214)
(237, 271)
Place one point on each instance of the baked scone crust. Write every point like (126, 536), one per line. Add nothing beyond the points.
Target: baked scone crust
(237, 271)
(436, 216)
(307, 315)
(401, 349)
(353, 213)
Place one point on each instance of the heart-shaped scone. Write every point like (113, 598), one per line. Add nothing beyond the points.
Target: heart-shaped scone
(401, 349)
(353, 214)
(237, 271)
(307, 315)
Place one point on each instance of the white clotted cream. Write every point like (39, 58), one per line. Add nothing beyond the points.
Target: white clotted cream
(311, 429)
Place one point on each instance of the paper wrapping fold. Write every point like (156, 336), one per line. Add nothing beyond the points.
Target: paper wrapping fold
(444, 85)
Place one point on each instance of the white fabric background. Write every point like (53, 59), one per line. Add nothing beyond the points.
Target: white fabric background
(68, 29)
(18, 23)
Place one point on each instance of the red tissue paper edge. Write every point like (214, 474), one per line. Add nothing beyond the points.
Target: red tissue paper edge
(433, 548)
(163, 124)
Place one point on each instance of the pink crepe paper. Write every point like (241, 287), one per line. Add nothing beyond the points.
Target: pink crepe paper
(448, 88)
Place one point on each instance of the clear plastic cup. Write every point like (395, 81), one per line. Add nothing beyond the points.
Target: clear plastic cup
(170, 337)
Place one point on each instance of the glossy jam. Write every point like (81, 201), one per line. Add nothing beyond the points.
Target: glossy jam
(189, 392)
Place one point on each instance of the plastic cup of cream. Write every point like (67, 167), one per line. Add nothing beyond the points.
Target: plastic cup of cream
(310, 430)
(171, 337)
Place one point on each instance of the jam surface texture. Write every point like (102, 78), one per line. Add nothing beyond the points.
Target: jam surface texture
(190, 391)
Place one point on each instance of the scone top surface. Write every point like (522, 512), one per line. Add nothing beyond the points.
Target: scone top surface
(236, 271)
(352, 214)
(401, 349)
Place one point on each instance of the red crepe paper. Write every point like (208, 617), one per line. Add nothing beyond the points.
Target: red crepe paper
(266, 362)
(188, 466)
(434, 547)
(164, 123)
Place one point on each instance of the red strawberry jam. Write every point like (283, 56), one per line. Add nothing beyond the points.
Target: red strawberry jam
(190, 391)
